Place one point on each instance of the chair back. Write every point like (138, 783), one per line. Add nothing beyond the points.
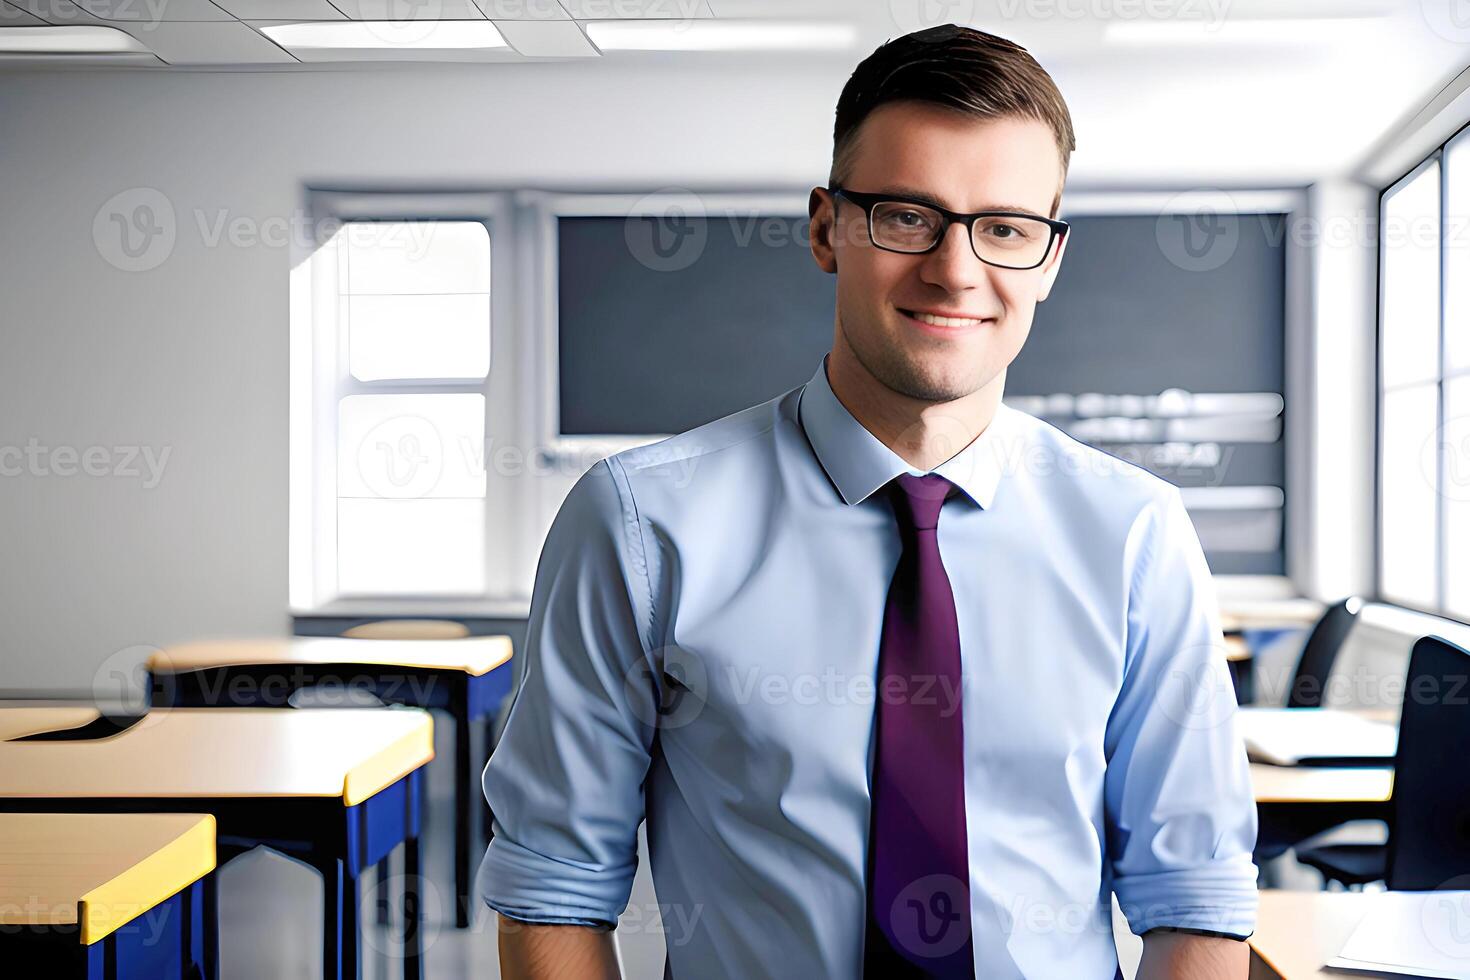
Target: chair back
(1320, 653)
(1430, 814)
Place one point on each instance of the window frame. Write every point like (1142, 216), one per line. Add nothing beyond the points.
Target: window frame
(321, 378)
(1439, 607)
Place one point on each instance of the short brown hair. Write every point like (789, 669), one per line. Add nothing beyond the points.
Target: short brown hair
(959, 68)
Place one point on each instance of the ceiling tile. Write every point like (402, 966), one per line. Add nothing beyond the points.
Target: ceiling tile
(637, 9)
(523, 10)
(547, 38)
(231, 43)
(153, 11)
(15, 17)
(282, 9)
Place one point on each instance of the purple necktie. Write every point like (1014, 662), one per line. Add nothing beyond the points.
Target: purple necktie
(918, 919)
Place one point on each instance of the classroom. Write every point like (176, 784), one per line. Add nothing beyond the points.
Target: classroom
(542, 490)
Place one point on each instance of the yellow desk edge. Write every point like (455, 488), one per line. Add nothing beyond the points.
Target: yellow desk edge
(412, 750)
(183, 657)
(170, 869)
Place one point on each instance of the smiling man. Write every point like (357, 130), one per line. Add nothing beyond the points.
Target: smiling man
(905, 682)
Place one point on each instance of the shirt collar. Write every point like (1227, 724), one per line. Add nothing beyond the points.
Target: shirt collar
(858, 463)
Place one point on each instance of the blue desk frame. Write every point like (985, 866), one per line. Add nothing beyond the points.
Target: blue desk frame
(466, 698)
(168, 941)
(338, 841)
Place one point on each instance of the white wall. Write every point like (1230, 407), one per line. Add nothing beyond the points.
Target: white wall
(190, 357)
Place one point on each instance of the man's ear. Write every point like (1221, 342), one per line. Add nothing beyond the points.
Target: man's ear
(822, 214)
(1053, 265)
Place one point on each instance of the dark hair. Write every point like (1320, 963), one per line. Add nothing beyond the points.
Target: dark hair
(959, 68)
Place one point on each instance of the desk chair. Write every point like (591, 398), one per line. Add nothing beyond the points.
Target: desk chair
(125, 896)
(1281, 829)
(1429, 816)
(336, 790)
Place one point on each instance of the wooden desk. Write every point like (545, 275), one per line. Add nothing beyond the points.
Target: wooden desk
(469, 678)
(337, 789)
(1321, 784)
(76, 884)
(1298, 932)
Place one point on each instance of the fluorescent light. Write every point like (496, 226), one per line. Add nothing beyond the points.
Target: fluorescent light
(1280, 30)
(68, 40)
(386, 34)
(719, 35)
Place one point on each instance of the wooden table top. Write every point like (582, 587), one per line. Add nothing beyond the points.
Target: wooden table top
(351, 753)
(99, 870)
(1321, 784)
(1298, 932)
(474, 655)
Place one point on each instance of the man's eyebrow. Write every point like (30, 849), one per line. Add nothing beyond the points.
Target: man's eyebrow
(914, 193)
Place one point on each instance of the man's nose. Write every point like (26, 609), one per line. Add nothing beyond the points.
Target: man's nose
(953, 263)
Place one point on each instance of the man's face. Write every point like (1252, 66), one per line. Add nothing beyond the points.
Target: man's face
(966, 164)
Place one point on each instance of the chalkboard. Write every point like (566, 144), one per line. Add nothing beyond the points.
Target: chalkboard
(664, 325)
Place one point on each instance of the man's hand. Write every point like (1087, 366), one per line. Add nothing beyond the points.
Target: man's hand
(555, 952)
(1185, 956)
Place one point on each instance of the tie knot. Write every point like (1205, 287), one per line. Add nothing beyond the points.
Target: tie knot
(918, 499)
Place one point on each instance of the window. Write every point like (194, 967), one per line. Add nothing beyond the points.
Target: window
(1424, 385)
(393, 509)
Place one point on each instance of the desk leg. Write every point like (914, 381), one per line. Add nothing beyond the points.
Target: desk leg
(331, 919)
(211, 926)
(462, 814)
(339, 923)
(412, 912)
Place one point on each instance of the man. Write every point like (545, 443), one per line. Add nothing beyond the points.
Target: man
(904, 681)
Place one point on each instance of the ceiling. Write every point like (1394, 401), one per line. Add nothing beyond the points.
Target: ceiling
(1160, 90)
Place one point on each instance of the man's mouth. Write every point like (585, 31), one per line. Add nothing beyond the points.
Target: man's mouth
(944, 323)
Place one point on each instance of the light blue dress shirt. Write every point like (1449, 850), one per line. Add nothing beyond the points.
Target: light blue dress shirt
(702, 652)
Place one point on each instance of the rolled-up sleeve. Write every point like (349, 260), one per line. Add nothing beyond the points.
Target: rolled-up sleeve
(565, 782)
(1181, 817)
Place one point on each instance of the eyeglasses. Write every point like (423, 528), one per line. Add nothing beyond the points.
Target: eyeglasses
(1005, 239)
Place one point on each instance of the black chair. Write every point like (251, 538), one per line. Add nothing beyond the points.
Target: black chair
(1429, 816)
(1430, 838)
(1320, 653)
(1280, 829)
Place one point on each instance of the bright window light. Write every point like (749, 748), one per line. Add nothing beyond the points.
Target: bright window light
(68, 40)
(1408, 475)
(1410, 242)
(719, 35)
(388, 34)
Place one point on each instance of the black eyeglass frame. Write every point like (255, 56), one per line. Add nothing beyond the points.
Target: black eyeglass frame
(1058, 228)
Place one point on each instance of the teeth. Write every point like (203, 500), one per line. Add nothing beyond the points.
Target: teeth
(944, 321)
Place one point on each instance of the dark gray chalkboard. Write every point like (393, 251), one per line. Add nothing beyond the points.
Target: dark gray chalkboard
(655, 339)
(650, 345)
